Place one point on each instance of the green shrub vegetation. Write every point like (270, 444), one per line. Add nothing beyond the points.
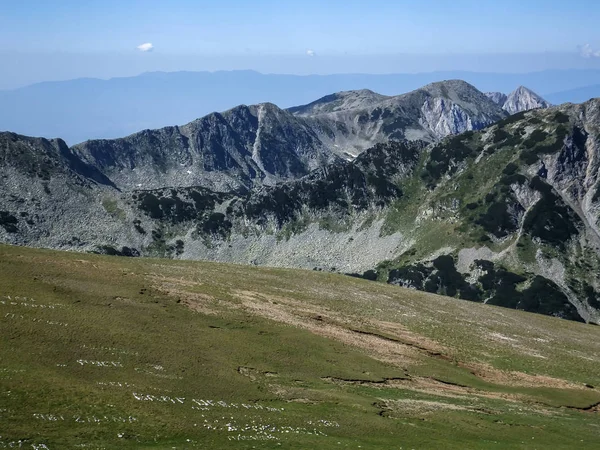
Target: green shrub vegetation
(8, 222)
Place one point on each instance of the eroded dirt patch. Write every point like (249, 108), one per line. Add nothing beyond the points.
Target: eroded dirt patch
(519, 379)
(388, 342)
(410, 407)
(328, 324)
(196, 301)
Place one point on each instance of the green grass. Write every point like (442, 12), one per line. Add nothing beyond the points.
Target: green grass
(111, 207)
(443, 228)
(108, 352)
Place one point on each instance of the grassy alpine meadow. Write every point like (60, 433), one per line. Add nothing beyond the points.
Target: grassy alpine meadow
(103, 352)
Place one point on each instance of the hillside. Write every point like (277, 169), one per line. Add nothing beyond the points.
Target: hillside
(506, 215)
(111, 352)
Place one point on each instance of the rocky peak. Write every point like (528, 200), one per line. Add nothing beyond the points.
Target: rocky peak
(523, 99)
(497, 97)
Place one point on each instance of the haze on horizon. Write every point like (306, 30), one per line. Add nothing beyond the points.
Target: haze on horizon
(58, 40)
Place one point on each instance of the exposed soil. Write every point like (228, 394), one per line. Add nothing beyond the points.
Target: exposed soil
(392, 343)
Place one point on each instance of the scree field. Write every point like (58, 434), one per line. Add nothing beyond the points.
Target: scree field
(104, 352)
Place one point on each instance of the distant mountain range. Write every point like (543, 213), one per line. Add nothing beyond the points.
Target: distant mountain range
(83, 109)
(578, 95)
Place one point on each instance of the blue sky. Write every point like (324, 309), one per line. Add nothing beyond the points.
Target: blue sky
(71, 38)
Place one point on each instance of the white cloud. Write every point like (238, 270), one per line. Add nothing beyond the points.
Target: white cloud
(588, 52)
(147, 47)
(310, 53)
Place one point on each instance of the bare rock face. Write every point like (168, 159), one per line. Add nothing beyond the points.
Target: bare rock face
(498, 98)
(444, 118)
(222, 151)
(523, 99)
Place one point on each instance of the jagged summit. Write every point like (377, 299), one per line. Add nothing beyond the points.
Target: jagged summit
(521, 99)
(497, 97)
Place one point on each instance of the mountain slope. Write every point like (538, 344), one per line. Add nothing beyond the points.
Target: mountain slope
(51, 198)
(138, 353)
(353, 121)
(228, 150)
(506, 215)
(520, 204)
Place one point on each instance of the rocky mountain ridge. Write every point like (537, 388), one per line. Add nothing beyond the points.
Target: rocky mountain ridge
(263, 144)
(352, 121)
(242, 146)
